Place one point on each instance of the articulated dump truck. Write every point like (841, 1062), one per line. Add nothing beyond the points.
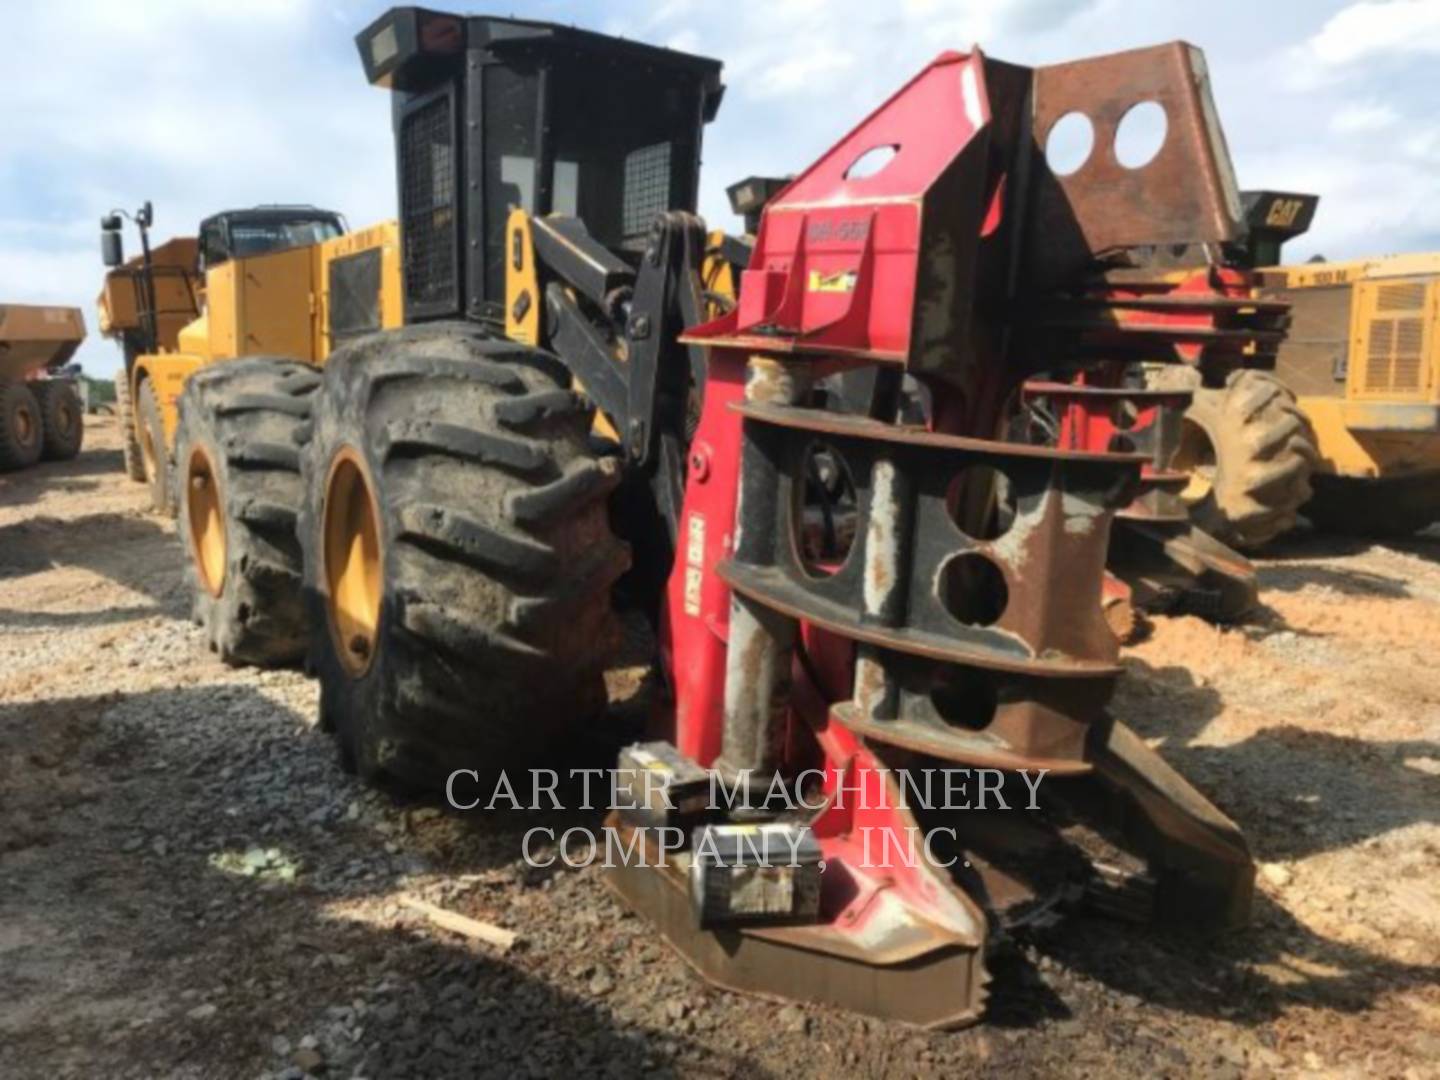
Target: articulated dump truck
(275, 280)
(40, 413)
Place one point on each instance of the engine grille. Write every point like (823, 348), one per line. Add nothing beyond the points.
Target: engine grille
(1395, 345)
(427, 204)
(1405, 297)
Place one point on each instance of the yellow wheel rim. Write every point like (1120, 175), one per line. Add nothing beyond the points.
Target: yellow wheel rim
(206, 520)
(147, 447)
(24, 425)
(352, 561)
(1196, 456)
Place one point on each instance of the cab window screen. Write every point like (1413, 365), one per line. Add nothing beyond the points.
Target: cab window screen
(631, 138)
(427, 204)
(647, 187)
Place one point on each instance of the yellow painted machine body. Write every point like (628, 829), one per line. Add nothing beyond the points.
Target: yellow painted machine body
(717, 275)
(524, 302)
(1363, 358)
(299, 303)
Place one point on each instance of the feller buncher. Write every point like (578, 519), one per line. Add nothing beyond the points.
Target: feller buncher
(40, 412)
(838, 594)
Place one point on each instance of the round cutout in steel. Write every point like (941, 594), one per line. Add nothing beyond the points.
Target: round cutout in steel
(1068, 143)
(973, 590)
(872, 162)
(1141, 134)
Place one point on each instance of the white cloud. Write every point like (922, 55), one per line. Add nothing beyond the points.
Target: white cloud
(1368, 30)
(813, 73)
(1422, 145)
(1371, 32)
(1374, 116)
(684, 41)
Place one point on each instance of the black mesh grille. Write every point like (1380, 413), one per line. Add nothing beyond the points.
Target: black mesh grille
(647, 187)
(355, 294)
(427, 203)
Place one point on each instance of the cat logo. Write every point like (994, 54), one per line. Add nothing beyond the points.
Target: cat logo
(1283, 212)
(842, 281)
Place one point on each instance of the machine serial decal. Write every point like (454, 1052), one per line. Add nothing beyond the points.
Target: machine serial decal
(694, 562)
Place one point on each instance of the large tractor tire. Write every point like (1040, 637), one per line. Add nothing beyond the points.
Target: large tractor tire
(155, 453)
(125, 416)
(21, 438)
(458, 554)
(1250, 452)
(62, 419)
(237, 457)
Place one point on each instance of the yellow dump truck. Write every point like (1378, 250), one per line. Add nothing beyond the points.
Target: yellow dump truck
(277, 282)
(143, 307)
(40, 413)
(222, 336)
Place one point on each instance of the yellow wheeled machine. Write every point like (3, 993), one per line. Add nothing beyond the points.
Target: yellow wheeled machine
(222, 337)
(1363, 361)
(1346, 429)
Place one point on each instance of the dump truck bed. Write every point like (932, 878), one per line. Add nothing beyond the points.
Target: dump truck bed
(35, 337)
(122, 304)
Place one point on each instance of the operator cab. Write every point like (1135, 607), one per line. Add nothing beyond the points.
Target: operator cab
(494, 113)
(238, 234)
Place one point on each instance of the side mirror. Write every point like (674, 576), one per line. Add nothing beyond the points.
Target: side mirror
(112, 251)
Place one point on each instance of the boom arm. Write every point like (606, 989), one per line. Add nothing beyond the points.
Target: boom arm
(618, 327)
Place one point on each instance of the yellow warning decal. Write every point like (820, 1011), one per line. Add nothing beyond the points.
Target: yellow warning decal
(843, 281)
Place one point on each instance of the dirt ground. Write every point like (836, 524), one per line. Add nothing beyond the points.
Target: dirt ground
(189, 886)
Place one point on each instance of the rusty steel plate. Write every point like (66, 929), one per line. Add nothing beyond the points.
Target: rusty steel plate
(1185, 194)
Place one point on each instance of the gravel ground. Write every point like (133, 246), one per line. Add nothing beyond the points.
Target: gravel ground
(190, 887)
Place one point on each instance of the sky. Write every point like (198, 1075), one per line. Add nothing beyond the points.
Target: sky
(200, 105)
